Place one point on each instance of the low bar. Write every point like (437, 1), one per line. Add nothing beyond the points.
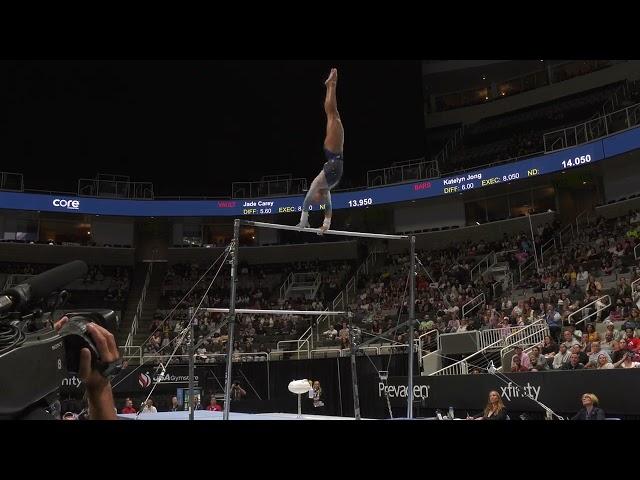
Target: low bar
(273, 312)
(328, 232)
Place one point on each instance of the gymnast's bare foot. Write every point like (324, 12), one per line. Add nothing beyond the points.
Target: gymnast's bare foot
(333, 78)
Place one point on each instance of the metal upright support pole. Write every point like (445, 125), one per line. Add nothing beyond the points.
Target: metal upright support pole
(232, 317)
(412, 319)
(354, 374)
(191, 350)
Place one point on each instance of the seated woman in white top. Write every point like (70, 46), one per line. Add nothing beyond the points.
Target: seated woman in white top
(561, 357)
(603, 362)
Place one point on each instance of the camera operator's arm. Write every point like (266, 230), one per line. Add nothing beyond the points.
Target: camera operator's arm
(98, 388)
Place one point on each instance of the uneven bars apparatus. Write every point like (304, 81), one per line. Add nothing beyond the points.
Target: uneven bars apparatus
(343, 233)
(232, 301)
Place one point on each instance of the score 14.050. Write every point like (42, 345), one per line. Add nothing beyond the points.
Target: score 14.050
(581, 160)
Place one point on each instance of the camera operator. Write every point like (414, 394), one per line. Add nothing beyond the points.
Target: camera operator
(237, 392)
(97, 387)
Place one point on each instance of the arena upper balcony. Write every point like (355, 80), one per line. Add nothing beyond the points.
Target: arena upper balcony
(573, 148)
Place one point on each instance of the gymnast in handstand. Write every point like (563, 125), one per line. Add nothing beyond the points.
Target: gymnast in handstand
(329, 176)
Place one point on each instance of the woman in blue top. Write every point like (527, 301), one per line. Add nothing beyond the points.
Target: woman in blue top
(320, 189)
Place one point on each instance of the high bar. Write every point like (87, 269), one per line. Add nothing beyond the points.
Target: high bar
(274, 312)
(328, 232)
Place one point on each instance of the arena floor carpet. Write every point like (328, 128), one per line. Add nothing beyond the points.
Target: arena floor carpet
(207, 415)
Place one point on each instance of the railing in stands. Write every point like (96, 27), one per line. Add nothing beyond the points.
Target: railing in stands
(11, 181)
(564, 233)
(592, 129)
(346, 352)
(271, 186)
(304, 340)
(546, 248)
(488, 261)
(130, 352)
(314, 353)
(449, 147)
(208, 357)
(348, 294)
(472, 304)
(462, 366)
(391, 347)
(522, 268)
(285, 286)
(428, 339)
(528, 342)
(401, 172)
(506, 283)
(585, 214)
(139, 307)
(115, 187)
(493, 336)
(599, 304)
(280, 354)
(636, 252)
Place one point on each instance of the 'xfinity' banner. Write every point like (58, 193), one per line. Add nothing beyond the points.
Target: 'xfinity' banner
(618, 390)
(576, 157)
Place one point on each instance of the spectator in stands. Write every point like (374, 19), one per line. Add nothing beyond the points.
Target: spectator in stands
(316, 395)
(594, 287)
(149, 408)
(633, 342)
(553, 319)
(619, 350)
(343, 336)
(569, 339)
(452, 325)
(213, 405)
(583, 275)
(495, 409)
(607, 344)
(195, 403)
(627, 361)
(549, 348)
(616, 314)
(561, 357)
(594, 354)
(624, 289)
(331, 333)
(590, 336)
(573, 363)
(165, 342)
(582, 356)
(376, 329)
(524, 358)
(175, 407)
(610, 328)
(128, 406)
(604, 362)
(517, 365)
(463, 326)
(590, 409)
(538, 361)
